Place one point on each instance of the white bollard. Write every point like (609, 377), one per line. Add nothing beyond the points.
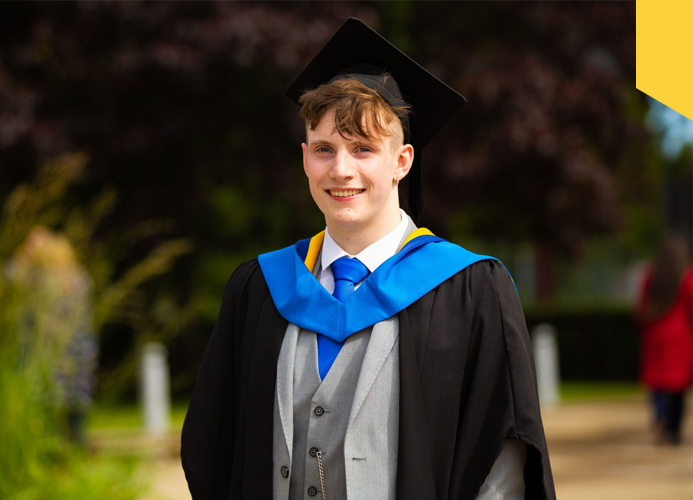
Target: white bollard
(155, 392)
(546, 360)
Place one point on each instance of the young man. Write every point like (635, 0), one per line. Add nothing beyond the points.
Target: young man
(375, 360)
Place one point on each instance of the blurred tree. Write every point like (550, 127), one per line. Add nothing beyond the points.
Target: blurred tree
(180, 105)
(119, 279)
(46, 346)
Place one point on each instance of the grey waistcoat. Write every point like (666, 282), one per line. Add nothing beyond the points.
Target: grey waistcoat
(358, 427)
(321, 414)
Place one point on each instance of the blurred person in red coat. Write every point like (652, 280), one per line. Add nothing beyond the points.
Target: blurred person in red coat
(665, 315)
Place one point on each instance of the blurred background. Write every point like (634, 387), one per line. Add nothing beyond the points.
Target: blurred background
(146, 149)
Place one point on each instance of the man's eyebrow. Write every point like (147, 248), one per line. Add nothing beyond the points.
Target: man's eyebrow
(363, 141)
(322, 140)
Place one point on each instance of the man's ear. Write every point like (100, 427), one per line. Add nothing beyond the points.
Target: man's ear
(405, 158)
(304, 148)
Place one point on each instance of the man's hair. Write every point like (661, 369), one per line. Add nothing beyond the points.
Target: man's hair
(359, 110)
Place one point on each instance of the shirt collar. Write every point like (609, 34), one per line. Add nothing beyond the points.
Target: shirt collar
(371, 256)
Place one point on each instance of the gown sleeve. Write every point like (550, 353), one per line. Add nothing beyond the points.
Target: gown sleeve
(207, 440)
(523, 420)
(468, 386)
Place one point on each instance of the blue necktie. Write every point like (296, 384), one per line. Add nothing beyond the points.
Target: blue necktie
(347, 273)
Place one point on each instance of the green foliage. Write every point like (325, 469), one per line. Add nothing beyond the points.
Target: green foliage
(36, 461)
(122, 299)
(119, 294)
(29, 205)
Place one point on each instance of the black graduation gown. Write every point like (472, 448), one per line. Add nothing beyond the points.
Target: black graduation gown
(467, 383)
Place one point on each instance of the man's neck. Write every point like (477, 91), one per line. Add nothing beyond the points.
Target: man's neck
(355, 239)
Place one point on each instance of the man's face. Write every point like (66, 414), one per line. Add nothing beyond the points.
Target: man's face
(352, 179)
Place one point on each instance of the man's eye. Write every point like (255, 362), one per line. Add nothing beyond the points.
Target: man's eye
(364, 149)
(323, 149)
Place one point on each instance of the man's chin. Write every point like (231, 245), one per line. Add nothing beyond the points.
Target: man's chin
(349, 220)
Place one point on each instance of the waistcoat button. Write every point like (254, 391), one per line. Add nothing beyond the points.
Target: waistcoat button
(319, 410)
(312, 491)
(284, 471)
(313, 452)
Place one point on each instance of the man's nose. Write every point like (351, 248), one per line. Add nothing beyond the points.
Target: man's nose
(343, 166)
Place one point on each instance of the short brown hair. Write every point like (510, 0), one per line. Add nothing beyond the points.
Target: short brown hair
(359, 109)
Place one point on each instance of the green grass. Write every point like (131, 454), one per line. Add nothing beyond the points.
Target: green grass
(590, 391)
(87, 478)
(130, 417)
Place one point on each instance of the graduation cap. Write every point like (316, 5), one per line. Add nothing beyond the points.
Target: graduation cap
(356, 51)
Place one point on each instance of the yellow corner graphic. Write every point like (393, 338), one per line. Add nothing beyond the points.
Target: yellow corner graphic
(664, 48)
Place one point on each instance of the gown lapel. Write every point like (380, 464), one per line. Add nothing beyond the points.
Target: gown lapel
(285, 384)
(382, 339)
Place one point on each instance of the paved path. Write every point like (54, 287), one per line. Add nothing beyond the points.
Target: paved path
(604, 451)
(599, 451)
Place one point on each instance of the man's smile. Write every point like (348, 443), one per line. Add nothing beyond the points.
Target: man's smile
(345, 193)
